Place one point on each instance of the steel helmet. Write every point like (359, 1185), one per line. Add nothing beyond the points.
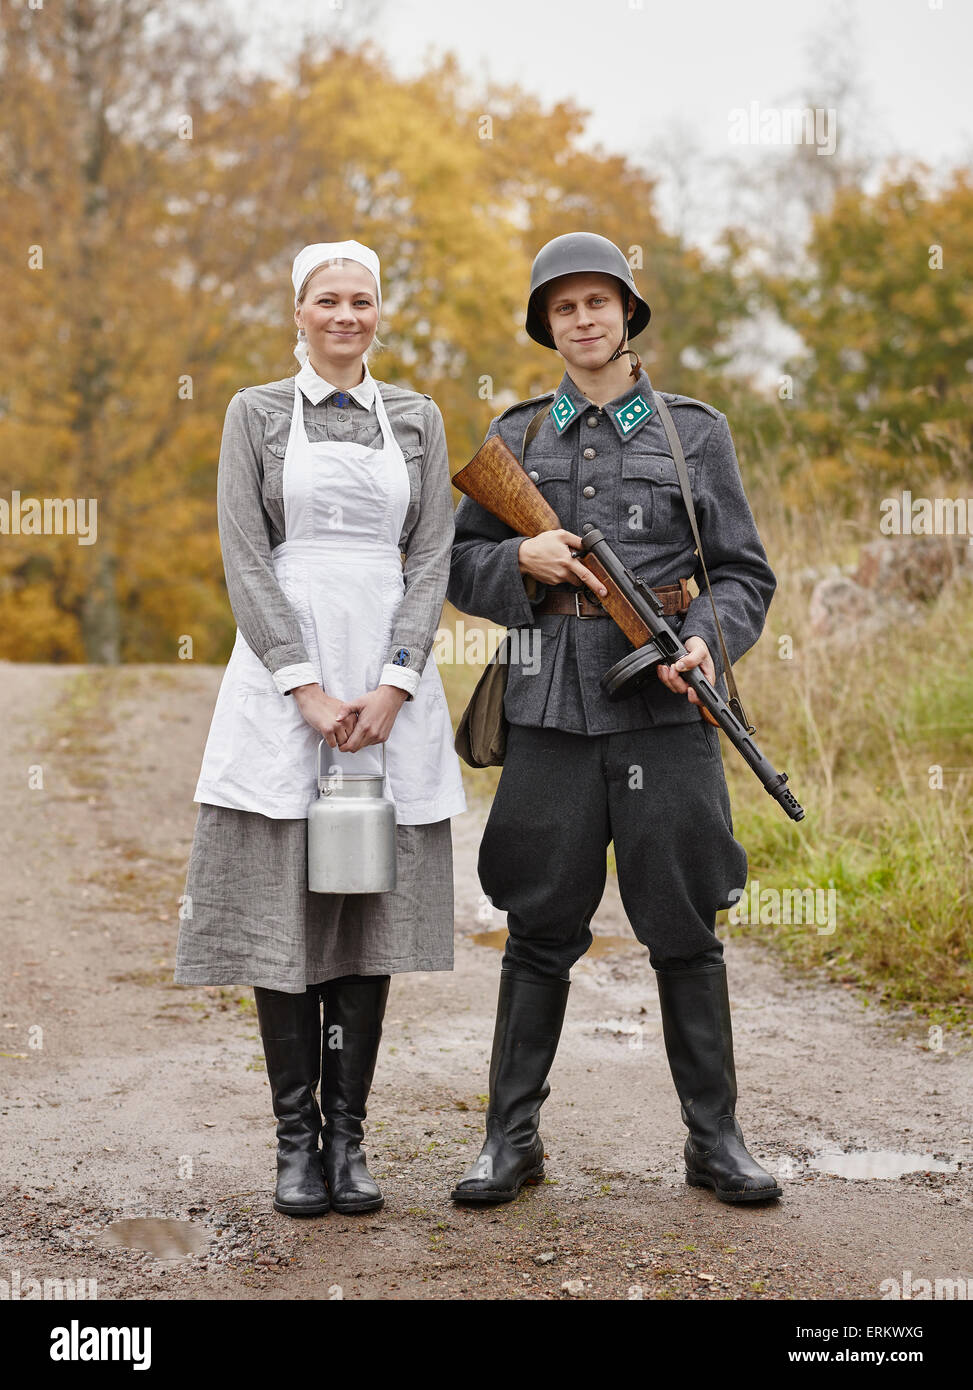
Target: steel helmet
(569, 254)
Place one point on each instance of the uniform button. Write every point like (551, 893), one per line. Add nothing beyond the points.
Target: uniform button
(588, 492)
(341, 416)
(592, 421)
(589, 453)
(534, 476)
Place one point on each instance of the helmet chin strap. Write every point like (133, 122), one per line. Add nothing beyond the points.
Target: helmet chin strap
(637, 364)
(620, 350)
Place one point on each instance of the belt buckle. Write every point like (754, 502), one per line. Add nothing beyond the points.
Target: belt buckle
(577, 606)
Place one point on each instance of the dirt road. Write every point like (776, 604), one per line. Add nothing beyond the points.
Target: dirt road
(127, 1097)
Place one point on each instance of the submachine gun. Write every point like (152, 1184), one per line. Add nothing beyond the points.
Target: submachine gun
(495, 479)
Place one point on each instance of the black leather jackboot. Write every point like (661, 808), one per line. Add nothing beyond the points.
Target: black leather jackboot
(699, 1043)
(530, 1012)
(354, 1007)
(290, 1029)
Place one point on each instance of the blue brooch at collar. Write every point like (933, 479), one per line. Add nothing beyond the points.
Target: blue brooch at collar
(563, 412)
(632, 413)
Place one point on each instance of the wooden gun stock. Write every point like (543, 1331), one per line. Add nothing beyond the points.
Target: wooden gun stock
(494, 478)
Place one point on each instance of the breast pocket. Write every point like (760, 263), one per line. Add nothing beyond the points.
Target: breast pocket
(412, 454)
(273, 461)
(552, 477)
(650, 501)
(412, 457)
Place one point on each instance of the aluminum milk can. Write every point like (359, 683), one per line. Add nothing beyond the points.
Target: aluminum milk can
(351, 833)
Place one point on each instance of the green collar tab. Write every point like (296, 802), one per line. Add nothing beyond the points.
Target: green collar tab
(563, 412)
(632, 413)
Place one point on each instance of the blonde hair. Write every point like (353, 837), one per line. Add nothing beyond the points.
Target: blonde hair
(300, 347)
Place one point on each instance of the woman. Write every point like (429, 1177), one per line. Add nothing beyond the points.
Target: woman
(324, 478)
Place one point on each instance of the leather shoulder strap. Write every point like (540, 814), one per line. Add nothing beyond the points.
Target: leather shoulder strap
(531, 430)
(675, 444)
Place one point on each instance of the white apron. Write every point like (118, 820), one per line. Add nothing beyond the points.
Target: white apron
(341, 570)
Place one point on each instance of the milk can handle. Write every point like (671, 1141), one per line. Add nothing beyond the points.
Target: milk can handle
(321, 743)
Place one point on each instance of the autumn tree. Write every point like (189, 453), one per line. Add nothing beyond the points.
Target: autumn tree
(883, 387)
(157, 196)
(113, 311)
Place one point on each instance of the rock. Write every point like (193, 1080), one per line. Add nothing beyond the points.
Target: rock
(913, 567)
(893, 577)
(808, 578)
(848, 612)
(545, 1258)
(573, 1286)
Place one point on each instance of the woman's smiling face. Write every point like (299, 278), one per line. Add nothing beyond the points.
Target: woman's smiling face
(339, 311)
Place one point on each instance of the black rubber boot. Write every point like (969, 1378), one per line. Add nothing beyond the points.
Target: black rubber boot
(290, 1028)
(354, 1007)
(530, 1012)
(699, 1043)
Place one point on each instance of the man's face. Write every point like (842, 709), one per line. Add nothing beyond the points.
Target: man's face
(584, 314)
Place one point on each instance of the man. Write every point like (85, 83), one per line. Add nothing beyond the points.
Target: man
(581, 771)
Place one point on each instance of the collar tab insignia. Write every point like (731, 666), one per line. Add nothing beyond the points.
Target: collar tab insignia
(632, 413)
(563, 412)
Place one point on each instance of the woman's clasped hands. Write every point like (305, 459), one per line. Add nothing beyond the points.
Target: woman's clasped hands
(351, 724)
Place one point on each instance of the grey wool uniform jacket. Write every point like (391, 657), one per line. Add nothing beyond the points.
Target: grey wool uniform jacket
(612, 466)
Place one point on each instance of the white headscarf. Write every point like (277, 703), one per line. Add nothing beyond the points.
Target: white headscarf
(319, 254)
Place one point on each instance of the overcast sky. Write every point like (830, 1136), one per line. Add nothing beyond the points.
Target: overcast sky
(637, 65)
(662, 76)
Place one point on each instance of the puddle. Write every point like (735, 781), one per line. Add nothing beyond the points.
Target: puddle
(879, 1163)
(600, 946)
(169, 1240)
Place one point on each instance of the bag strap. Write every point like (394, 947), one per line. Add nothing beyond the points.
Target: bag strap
(675, 445)
(531, 430)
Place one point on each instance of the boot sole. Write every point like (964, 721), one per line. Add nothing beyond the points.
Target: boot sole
(352, 1209)
(757, 1196)
(288, 1210)
(494, 1198)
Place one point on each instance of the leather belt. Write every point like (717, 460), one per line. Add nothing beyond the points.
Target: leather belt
(675, 598)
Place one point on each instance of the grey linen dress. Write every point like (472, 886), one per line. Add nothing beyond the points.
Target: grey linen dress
(247, 915)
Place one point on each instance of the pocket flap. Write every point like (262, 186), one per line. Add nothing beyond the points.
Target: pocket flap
(547, 466)
(658, 468)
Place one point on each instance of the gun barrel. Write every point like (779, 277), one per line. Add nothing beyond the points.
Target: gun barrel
(667, 640)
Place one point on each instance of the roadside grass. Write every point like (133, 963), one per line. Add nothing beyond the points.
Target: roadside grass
(878, 740)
